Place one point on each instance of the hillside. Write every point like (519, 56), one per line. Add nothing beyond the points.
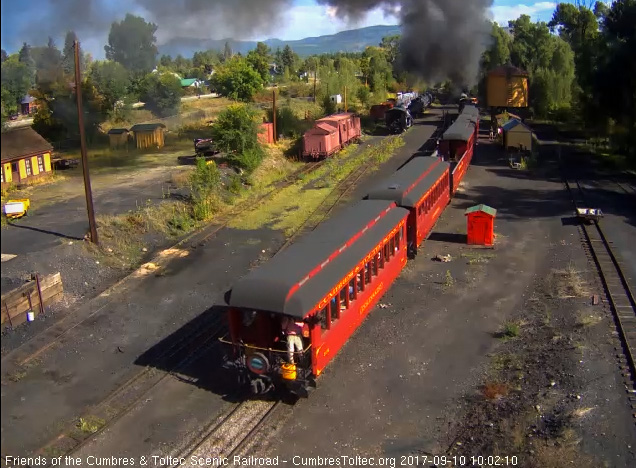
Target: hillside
(354, 40)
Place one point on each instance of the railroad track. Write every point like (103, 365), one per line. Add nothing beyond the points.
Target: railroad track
(230, 435)
(194, 343)
(617, 289)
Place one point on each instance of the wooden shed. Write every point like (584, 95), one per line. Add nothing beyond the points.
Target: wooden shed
(481, 225)
(118, 137)
(149, 135)
(517, 135)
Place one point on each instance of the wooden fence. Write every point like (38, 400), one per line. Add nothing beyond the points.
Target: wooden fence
(30, 297)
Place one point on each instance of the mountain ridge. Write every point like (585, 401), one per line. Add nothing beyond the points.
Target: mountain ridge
(353, 40)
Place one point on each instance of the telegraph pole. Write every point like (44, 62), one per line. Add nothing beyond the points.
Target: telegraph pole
(274, 114)
(80, 119)
(345, 98)
(315, 75)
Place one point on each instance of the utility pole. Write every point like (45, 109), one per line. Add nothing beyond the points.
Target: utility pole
(274, 114)
(80, 119)
(345, 98)
(315, 75)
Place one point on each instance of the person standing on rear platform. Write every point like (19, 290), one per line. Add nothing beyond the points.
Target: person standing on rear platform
(293, 331)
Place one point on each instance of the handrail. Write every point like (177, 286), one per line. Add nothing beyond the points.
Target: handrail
(258, 348)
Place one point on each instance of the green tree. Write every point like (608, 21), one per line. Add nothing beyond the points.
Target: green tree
(616, 77)
(236, 79)
(259, 63)
(263, 50)
(499, 51)
(3, 55)
(166, 61)
(161, 93)
(132, 43)
(16, 82)
(68, 54)
(227, 52)
(236, 129)
(26, 58)
(288, 58)
(112, 82)
(391, 44)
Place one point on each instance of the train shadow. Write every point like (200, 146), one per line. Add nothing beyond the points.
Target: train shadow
(193, 354)
(447, 237)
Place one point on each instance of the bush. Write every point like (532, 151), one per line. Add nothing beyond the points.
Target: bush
(236, 129)
(287, 123)
(328, 106)
(297, 90)
(161, 93)
(249, 159)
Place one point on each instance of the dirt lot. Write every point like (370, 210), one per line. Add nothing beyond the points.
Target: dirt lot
(497, 353)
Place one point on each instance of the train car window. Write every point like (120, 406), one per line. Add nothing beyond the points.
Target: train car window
(388, 251)
(375, 266)
(381, 258)
(392, 245)
(334, 310)
(323, 316)
(359, 281)
(367, 273)
(353, 291)
(344, 300)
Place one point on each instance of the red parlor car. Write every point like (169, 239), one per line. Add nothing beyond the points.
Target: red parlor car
(324, 284)
(422, 187)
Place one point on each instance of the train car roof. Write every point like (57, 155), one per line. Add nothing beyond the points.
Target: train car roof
(341, 116)
(462, 129)
(408, 185)
(294, 280)
(470, 110)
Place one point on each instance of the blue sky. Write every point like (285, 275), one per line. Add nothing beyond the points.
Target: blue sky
(304, 18)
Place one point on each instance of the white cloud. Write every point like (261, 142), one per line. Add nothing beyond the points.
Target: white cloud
(504, 13)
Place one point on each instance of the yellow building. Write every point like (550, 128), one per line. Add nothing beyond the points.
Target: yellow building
(517, 135)
(26, 156)
(149, 135)
(507, 86)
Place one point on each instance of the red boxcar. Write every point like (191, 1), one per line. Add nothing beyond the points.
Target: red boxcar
(328, 281)
(421, 186)
(330, 134)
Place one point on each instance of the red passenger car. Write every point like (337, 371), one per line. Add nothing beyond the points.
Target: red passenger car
(456, 146)
(421, 186)
(330, 134)
(328, 282)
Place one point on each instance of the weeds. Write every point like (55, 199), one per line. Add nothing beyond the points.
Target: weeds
(449, 281)
(90, 424)
(567, 283)
(510, 330)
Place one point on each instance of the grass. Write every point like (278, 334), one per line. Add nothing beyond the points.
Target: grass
(510, 330)
(281, 211)
(122, 236)
(476, 257)
(449, 281)
(567, 283)
(90, 424)
(587, 320)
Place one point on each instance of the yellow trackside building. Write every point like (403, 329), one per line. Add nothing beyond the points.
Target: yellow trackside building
(26, 156)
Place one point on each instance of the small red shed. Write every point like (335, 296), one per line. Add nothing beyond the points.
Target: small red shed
(481, 225)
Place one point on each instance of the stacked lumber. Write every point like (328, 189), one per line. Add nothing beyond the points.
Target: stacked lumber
(30, 298)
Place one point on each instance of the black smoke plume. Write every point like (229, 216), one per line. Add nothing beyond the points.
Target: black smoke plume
(441, 39)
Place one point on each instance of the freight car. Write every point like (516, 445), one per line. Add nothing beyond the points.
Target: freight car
(330, 134)
(325, 284)
(377, 111)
